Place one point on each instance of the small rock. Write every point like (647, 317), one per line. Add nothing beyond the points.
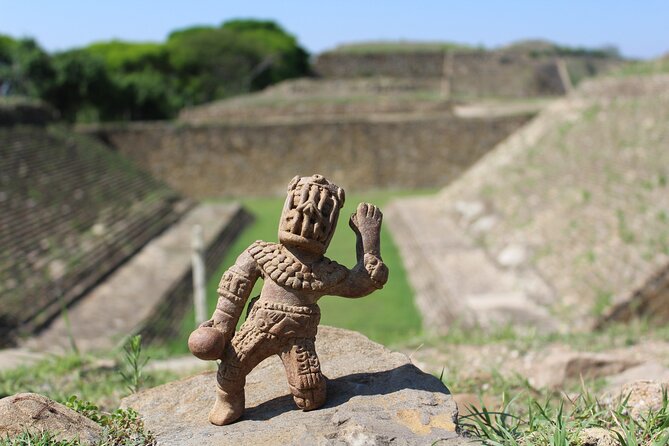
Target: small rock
(512, 256)
(484, 224)
(375, 397)
(561, 366)
(57, 269)
(596, 436)
(35, 413)
(98, 229)
(469, 210)
(469, 403)
(640, 397)
(648, 371)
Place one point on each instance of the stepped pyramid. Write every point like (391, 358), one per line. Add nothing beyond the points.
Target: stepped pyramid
(563, 226)
(71, 211)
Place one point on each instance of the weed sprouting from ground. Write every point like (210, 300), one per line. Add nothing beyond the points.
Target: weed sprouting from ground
(122, 426)
(134, 363)
(564, 421)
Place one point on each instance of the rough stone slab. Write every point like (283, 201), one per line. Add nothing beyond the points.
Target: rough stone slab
(118, 307)
(649, 371)
(560, 366)
(375, 397)
(35, 413)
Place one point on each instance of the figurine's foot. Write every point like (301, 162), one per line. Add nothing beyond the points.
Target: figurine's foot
(310, 399)
(227, 408)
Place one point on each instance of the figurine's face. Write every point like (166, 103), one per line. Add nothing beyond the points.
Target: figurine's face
(310, 213)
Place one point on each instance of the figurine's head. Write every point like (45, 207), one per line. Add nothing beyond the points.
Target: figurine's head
(310, 213)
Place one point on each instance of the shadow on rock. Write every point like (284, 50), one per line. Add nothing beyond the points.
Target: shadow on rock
(342, 389)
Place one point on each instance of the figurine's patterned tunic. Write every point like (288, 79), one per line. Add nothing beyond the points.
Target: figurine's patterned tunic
(282, 267)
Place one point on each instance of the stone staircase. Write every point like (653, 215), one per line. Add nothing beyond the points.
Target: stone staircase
(71, 211)
(150, 293)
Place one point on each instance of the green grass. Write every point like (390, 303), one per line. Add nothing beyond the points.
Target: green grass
(387, 316)
(95, 378)
(560, 420)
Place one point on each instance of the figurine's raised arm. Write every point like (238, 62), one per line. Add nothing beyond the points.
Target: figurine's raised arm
(370, 273)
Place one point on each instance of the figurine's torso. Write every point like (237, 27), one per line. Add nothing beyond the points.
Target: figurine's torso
(291, 281)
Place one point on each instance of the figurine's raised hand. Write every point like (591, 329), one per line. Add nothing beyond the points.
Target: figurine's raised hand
(366, 222)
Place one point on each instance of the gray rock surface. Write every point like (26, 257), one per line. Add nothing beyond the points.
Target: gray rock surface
(34, 413)
(375, 397)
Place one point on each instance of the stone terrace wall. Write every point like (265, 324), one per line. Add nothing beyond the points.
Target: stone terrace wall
(399, 64)
(70, 212)
(234, 160)
(469, 73)
(498, 74)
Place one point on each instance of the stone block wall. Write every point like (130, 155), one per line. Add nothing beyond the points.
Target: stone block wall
(468, 73)
(256, 159)
(391, 64)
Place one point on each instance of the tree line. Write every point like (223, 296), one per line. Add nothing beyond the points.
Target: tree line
(118, 80)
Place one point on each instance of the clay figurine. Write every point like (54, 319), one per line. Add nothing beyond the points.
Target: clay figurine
(283, 320)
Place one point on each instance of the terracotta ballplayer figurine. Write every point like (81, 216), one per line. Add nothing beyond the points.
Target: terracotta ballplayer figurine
(283, 320)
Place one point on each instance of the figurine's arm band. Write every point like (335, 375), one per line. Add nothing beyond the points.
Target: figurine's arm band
(376, 269)
(368, 275)
(233, 291)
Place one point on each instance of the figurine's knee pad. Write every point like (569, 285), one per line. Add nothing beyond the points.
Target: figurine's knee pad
(307, 383)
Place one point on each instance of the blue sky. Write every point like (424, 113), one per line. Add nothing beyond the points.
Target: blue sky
(638, 28)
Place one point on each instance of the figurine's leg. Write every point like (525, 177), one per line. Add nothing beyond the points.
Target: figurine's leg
(307, 383)
(247, 349)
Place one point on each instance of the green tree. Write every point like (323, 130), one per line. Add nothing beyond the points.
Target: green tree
(119, 80)
(288, 58)
(81, 88)
(145, 82)
(238, 57)
(25, 68)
